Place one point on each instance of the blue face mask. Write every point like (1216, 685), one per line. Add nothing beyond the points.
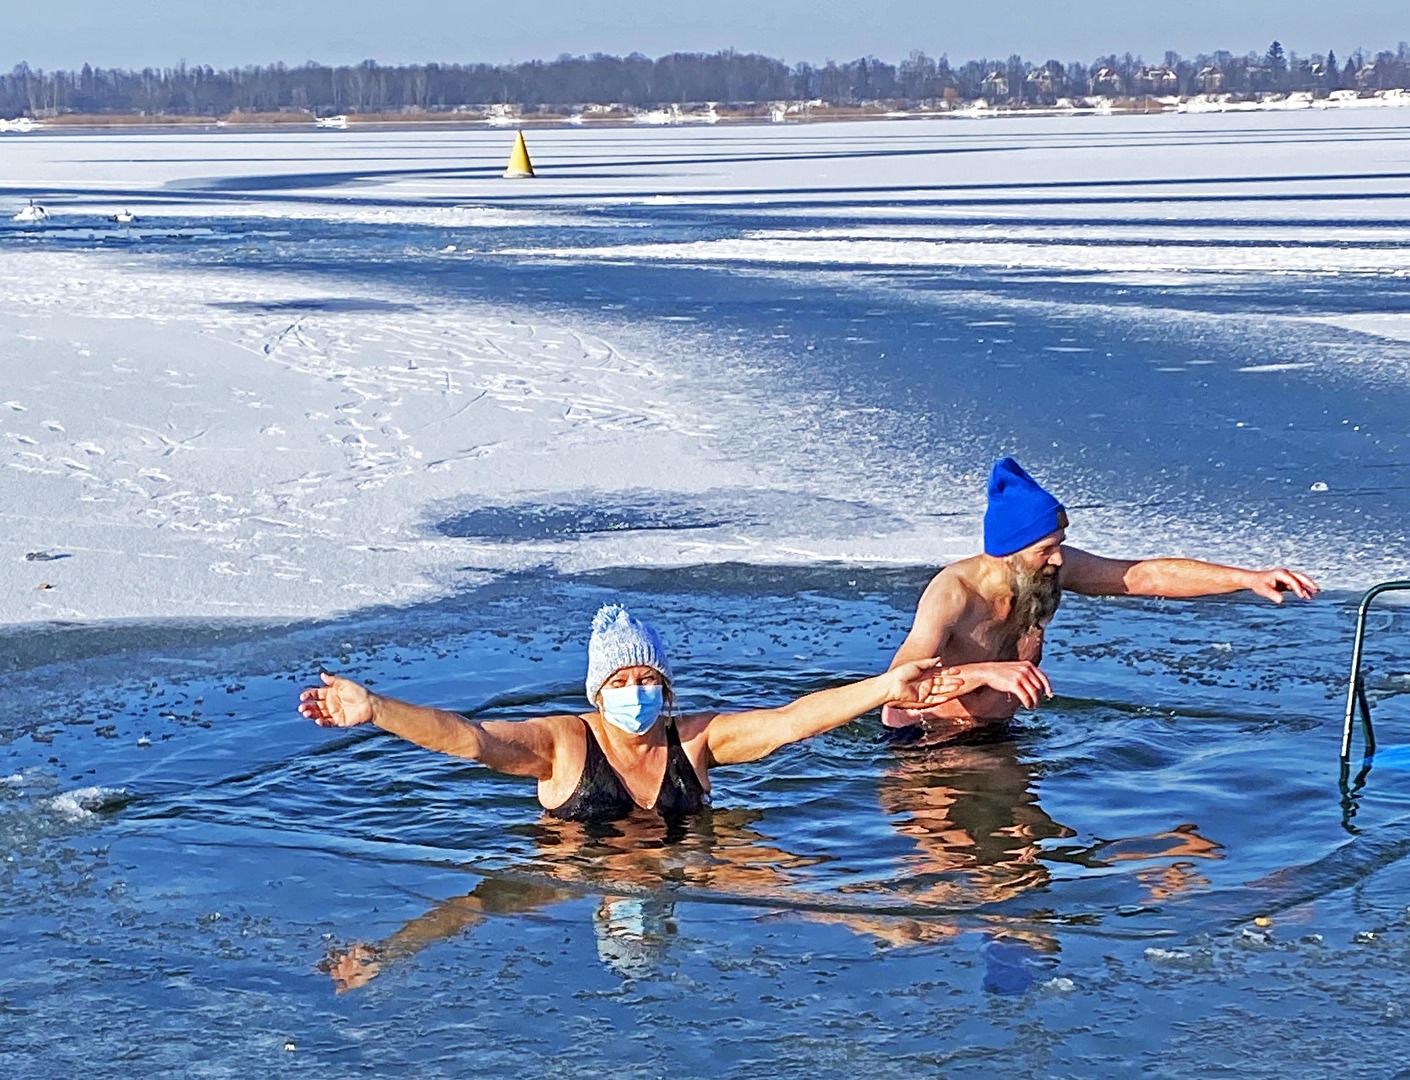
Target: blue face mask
(632, 708)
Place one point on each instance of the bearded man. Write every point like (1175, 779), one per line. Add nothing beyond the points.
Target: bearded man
(985, 616)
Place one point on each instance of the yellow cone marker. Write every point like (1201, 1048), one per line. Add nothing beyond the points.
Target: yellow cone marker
(519, 165)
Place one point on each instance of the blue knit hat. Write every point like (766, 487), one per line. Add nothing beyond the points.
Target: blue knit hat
(619, 640)
(1020, 511)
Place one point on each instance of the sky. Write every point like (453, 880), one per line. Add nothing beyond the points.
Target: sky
(160, 33)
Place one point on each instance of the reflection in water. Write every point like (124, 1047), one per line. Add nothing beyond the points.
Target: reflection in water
(635, 864)
(974, 819)
(981, 838)
(977, 832)
(357, 965)
(632, 933)
(971, 812)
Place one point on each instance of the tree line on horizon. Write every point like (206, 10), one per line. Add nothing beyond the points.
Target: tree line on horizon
(637, 81)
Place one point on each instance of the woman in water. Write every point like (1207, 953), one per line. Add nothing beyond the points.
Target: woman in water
(604, 765)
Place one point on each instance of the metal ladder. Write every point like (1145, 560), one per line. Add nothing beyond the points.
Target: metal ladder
(1356, 685)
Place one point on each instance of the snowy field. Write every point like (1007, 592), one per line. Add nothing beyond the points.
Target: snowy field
(262, 397)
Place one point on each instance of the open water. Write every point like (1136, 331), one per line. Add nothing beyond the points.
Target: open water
(1157, 872)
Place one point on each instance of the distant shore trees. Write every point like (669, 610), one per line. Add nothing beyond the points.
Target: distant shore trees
(637, 81)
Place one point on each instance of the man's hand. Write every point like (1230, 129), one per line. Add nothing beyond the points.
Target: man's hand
(1271, 584)
(1020, 678)
(338, 703)
(921, 685)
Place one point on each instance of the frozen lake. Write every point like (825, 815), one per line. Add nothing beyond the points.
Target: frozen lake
(347, 399)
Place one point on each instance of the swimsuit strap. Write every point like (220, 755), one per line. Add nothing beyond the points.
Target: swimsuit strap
(682, 794)
(602, 796)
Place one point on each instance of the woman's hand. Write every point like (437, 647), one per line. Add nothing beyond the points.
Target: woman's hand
(338, 703)
(922, 684)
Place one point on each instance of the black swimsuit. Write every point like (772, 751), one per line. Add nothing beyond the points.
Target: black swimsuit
(601, 795)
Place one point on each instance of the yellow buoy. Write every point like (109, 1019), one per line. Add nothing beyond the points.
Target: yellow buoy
(519, 165)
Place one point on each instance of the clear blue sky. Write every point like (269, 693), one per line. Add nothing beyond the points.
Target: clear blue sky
(158, 33)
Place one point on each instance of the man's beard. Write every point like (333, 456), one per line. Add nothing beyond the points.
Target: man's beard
(1035, 597)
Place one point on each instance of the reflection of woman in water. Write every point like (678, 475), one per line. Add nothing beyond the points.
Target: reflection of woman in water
(635, 876)
(604, 765)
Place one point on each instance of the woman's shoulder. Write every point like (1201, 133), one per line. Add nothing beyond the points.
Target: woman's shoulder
(692, 725)
(559, 728)
(566, 723)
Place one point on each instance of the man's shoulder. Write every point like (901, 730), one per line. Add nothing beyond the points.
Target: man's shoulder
(961, 571)
(955, 583)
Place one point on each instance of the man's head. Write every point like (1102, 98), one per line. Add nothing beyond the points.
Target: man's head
(1020, 512)
(1024, 526)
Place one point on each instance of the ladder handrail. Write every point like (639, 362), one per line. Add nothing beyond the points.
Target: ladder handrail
(1355, 686)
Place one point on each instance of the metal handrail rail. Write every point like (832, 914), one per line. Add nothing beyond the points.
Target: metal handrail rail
(1355, 685)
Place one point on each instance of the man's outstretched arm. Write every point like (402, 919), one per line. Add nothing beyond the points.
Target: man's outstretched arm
(1092, 575)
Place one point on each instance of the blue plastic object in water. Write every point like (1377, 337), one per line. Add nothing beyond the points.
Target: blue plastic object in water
(1391, 757)
(1008, 967)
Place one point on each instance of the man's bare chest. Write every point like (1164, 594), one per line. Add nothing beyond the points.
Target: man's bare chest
(993, 639)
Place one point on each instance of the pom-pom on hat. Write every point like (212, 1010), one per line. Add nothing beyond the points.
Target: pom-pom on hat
(620, 640)
(1020, 512)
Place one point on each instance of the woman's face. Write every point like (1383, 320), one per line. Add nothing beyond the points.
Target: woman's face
(640, 675)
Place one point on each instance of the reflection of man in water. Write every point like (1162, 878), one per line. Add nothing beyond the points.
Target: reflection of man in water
(985, 616)
(982, 841)
(981, 838)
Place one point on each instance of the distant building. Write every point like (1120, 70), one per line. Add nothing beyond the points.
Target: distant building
(1210, 80)
(1106, 82)
(995, 86)
(1044, 82)
(1157, 80)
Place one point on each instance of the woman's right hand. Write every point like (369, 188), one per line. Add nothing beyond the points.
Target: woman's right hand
(338, 703)
(353, 968)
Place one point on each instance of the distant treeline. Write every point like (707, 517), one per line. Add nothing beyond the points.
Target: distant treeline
(637, 81)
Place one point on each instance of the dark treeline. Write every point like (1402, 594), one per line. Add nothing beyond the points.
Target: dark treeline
(637, 81)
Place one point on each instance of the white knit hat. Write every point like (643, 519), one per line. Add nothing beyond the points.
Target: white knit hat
(619, 640)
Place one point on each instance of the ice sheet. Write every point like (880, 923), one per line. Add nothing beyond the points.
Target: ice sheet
(194, 434)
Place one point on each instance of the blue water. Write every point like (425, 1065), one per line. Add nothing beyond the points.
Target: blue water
(1157, 872)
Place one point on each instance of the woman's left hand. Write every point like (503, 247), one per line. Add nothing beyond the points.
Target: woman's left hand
(338, 702)
(922, 684)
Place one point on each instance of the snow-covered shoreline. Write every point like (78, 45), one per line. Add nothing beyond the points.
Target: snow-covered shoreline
(772, 112)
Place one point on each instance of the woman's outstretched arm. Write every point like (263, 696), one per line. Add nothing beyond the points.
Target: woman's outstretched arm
(523, 748)
(731, 738)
